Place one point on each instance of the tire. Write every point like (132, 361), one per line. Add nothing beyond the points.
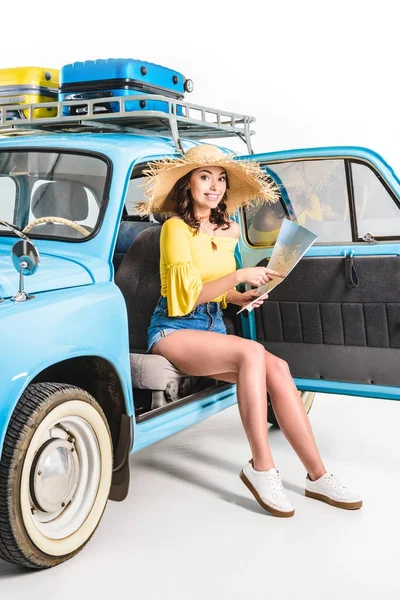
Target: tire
(55, 475)
(307, 398)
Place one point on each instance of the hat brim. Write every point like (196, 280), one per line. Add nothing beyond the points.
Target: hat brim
(247, 183)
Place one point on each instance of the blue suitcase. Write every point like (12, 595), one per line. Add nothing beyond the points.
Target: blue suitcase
(112, 77)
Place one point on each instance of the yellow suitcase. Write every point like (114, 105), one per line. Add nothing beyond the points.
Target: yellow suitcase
(29, 85)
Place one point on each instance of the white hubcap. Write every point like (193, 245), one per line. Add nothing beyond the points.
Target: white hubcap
(55, 476)
(64, 477)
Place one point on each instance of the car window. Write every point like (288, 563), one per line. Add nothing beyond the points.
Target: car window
(313, 194)
(134, 195)
(8, 191)
(88, 198)
(376, 210)
(52, 194)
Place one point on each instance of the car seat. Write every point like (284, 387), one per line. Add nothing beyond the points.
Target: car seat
(64, 199)
(138, 278)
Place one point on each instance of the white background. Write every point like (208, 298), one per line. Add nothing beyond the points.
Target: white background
(313, 73)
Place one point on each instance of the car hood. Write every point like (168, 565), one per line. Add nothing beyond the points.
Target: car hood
(53, 273)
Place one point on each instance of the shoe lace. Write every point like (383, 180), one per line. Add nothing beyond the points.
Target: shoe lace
(276, 485)
(334, 483)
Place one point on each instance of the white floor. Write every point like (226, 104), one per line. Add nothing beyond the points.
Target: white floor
(190, 530)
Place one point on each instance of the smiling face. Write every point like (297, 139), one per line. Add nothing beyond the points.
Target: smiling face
(207, 186)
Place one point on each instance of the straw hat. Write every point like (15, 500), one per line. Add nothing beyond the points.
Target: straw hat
(247, 181)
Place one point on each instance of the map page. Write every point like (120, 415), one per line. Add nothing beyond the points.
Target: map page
(292, 243)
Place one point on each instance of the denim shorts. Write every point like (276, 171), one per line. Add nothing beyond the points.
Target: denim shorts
(205, 317)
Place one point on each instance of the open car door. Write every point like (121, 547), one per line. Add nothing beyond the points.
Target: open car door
(336, 318)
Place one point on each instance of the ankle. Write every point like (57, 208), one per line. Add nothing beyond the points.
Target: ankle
(262, 465)
(316, 475)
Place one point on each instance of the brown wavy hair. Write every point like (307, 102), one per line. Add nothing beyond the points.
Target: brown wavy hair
(183, 200)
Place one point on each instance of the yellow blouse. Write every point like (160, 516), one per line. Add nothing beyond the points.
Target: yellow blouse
(187, 260)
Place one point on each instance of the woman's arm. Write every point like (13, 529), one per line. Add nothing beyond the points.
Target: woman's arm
(217, 287)
(255, 276)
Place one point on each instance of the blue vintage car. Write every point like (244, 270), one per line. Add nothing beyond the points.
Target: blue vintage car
(79, 280)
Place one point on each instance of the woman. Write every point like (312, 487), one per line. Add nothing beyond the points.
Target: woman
(198, 277)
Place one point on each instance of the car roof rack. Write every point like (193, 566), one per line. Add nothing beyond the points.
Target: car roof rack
(182, 120)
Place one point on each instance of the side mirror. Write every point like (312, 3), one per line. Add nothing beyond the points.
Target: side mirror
(25, 257)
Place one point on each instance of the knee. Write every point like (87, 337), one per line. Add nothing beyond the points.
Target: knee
(279, 366)
(254, 352)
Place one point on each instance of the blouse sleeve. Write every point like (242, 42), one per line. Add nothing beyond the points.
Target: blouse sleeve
(184, 283)
(224, 302)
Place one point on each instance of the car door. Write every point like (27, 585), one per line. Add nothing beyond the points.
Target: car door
(336, 317)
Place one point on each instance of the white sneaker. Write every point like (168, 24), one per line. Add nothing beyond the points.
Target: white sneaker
(267, 488)
(329, 489)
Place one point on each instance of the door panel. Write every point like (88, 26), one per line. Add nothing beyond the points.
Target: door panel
(327, 329)
(337, 315)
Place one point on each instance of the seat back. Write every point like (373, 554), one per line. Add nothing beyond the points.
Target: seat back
(138, 278)
(65, 199)
(128, 230)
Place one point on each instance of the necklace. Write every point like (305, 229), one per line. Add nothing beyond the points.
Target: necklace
(212, 238)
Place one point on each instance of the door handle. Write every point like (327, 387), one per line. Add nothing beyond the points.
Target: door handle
(369, 237)
(351, 274)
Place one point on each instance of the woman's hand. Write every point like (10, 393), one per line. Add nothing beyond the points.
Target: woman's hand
(243, 298)
(251, 296)
(257, 276)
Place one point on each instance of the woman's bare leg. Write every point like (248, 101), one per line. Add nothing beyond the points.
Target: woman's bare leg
(207, 357)
(203, 353)
(291, 416)
(290, 413)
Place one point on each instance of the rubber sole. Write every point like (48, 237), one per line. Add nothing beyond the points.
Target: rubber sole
(336, 503)
(264, 505)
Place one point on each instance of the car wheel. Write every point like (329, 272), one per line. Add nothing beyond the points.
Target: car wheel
(55, 475)
(307, 398)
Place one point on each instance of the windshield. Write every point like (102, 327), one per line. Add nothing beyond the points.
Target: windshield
(51, 194)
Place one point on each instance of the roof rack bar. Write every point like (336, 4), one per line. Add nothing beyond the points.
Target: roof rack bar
(234, 119)
(180, 119)
(247, 134)
(174, 130)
